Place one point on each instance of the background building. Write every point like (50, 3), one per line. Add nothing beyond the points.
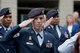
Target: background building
(20, 8)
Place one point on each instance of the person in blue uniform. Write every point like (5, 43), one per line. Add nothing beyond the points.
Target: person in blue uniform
(59, 33)
(71, 27)
(5, 21)
(35, 39)
(4, 27)
(6, 45)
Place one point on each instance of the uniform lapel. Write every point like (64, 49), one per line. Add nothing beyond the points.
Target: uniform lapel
(55, 33)
(45, 40)
(52, 31)
(34, 36)
(62, 33)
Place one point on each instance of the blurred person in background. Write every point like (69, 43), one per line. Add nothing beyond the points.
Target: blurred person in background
(71, 27)
(76, 17)
(71, 45)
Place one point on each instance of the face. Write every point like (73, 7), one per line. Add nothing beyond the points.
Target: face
(55, 21)
(69, 19)
(76, 15)
(38, 21)
(7, 20)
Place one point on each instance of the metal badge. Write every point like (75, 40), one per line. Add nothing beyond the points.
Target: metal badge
(43, 11)
(17, 35)
(66, 35)
(30, 38)
(49, 27)
(30, 41)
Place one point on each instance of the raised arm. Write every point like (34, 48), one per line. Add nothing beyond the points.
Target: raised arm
(48, 22)
(68, 45)
(9, 35)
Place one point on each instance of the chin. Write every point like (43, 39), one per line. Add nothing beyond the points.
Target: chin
(7, 25)
(38, 27)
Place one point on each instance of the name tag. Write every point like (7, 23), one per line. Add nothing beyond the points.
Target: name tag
(66, 35)
(29, 43)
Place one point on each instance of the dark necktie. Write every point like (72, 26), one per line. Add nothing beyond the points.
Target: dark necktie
(56, 33)
(55, 28)
(39, 35)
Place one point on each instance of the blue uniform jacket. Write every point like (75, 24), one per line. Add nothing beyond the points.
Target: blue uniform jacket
(27, 45)
(6, 46)
(58, 41)
(27, 42)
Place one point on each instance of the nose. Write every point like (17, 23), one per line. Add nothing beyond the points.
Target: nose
(38, 20)
(8, 18)
(56, 18)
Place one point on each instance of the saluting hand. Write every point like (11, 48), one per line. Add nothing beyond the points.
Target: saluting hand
(48, 22)
(1, 17)
(25, 23)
